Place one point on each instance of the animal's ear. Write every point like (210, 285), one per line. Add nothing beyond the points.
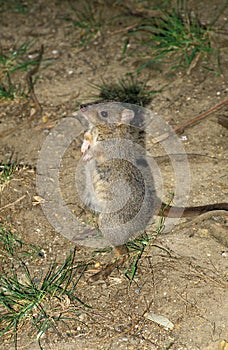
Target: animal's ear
(127, 115)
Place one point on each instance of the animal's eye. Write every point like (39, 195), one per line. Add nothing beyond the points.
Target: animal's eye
(104, 114)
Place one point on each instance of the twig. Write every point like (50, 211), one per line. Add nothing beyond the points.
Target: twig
(122, 30)
(12, 204)
(29, 80)
(144, 13)
(201, 116)
(180, 127)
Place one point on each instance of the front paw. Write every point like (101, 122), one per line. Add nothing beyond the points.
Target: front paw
(87, 157)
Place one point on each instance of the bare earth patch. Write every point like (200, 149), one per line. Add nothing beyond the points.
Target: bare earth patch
(182, 274)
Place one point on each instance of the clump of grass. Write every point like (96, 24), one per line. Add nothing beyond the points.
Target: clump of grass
(128, 89)
(13, 61)
(10, 90)
(137, 248)
(90, 21)
(175, 36)
(12, 246)
(14, 6)
(7, 171)
(6, 174)
(16, 59)
(7, 89)
(37, 303)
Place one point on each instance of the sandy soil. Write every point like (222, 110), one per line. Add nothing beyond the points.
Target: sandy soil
(188, 285)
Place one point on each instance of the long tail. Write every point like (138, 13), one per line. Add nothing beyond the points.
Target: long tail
(175, 212)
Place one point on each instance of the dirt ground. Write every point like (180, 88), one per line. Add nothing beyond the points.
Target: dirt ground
(188, 285)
